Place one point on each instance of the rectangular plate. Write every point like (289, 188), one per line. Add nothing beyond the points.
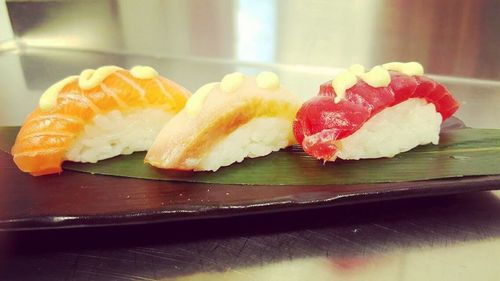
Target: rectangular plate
(75, 199)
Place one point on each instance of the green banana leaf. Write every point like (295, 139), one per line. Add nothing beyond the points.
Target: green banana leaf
(463, 152)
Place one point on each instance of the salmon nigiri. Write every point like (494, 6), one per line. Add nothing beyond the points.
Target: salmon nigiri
(97, 115)
(390, 109)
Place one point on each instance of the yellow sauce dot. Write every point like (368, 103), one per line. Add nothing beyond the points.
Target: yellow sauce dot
(195, 103)
(268, 80)
(231, 82)
(143, 72)
(377, 77)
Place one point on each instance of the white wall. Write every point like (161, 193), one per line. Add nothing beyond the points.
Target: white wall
(5, 28)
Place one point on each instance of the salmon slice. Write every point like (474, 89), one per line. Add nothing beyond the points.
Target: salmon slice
(188, 139)
(46, 136)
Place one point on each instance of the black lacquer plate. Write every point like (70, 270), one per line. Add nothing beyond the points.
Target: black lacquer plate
(75, 199)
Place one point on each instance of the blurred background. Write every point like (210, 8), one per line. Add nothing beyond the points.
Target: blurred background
(198, 41)
(306, 42)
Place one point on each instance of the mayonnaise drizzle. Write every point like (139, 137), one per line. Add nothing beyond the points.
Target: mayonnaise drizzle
(268, 80)
(231, 82)
(143, 72)
(48, 100)
(90, 78)
(378, 76)
(341, 83)
(195, 102)
(409, 68)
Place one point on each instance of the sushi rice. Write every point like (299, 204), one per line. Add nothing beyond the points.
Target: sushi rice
(116, 133)
(259, 137)
(394, 130)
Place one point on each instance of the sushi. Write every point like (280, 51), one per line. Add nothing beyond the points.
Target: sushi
(96, 115)
(388, 110)
(225, 122)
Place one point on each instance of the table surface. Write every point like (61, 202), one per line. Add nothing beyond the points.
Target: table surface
(454, 237)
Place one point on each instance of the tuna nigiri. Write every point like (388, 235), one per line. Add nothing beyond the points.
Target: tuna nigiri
(388, 110)
(97, 115)
(225, 122)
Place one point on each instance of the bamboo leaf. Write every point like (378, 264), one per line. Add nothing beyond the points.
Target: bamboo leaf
(462, 152)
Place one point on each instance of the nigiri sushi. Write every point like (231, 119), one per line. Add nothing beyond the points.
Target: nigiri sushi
(225, 122)
(97, 115)
(388, 110)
